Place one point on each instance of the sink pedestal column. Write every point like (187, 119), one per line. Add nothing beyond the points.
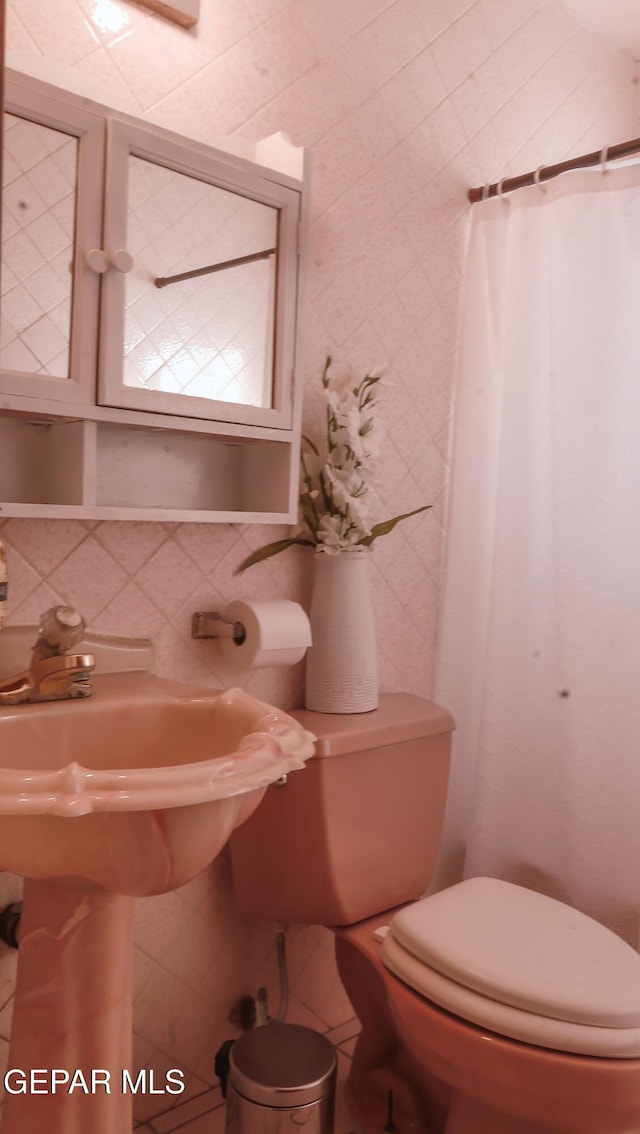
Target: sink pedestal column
(72, 1011)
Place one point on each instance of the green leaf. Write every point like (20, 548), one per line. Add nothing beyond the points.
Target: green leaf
(309, 442)
(326, 493)
(309, 513)
(269, 550)
(388, 525)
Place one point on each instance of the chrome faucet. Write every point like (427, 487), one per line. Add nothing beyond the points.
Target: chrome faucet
(53, 674)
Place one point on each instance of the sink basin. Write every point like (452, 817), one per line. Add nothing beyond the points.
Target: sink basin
(137, 787)
(128, 793)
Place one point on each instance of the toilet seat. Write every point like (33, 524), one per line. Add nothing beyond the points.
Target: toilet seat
(522, 965)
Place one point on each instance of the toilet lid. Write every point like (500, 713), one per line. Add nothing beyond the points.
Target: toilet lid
(523, 949)
(503, 1019)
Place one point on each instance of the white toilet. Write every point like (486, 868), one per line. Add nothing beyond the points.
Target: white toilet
(486, 1008)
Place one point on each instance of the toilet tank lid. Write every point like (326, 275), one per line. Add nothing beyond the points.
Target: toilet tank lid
(399, 717)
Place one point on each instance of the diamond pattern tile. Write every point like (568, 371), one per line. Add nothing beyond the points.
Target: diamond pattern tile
(403, 105)
(38, 189)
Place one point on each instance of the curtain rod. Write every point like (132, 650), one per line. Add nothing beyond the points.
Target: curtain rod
(546, 172)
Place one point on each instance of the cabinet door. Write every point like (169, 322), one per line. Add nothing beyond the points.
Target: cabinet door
(201, 286)
(53, 171)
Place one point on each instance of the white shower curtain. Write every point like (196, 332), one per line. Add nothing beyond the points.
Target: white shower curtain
(540, 643)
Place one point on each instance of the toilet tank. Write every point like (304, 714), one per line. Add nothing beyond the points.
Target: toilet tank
(356, 831)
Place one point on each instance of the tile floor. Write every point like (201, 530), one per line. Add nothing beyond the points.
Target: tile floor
(204, 1112)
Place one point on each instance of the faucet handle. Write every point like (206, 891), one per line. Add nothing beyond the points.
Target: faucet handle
(60, 628)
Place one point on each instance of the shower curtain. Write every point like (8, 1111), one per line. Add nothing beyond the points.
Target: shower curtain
(539, 655)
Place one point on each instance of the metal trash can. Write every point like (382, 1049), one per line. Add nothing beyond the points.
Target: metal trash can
(281, 1077)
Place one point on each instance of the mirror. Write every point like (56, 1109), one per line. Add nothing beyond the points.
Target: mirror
(38, 216)
(140, 269)
(200, 298)
(150, 292)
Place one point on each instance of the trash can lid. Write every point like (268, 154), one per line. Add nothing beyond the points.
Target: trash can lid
(282, 1065)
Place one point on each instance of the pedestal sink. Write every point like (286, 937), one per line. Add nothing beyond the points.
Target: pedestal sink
(128, 793)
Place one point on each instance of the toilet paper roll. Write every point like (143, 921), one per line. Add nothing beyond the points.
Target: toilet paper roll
(277, 632)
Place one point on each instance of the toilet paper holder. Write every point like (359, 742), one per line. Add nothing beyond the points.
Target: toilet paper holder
(265, 632)
(211, 624)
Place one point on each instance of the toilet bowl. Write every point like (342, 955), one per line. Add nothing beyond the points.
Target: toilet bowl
(486, 1008)
(449, 1074)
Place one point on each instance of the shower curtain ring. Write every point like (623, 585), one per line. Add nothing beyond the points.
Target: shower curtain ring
(500, 191)
(536, 179)
(604, 158)
(485, 193)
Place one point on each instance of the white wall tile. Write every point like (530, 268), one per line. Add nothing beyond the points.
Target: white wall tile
(404, 104)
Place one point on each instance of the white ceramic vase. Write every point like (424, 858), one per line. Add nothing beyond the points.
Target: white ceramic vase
(342, 670)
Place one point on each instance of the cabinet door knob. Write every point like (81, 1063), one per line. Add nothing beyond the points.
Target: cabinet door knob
(121, 260)
(97, 260)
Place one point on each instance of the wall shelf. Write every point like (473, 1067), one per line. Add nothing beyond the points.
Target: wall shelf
(80, 468)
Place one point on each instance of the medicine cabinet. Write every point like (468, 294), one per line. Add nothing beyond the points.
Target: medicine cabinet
(150, 307)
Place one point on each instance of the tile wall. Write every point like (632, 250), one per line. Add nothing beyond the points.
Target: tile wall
(404, 104)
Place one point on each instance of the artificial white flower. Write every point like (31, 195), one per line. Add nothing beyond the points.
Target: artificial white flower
(335, 496)
(332, 532)
(340, 378)
(344, 495)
